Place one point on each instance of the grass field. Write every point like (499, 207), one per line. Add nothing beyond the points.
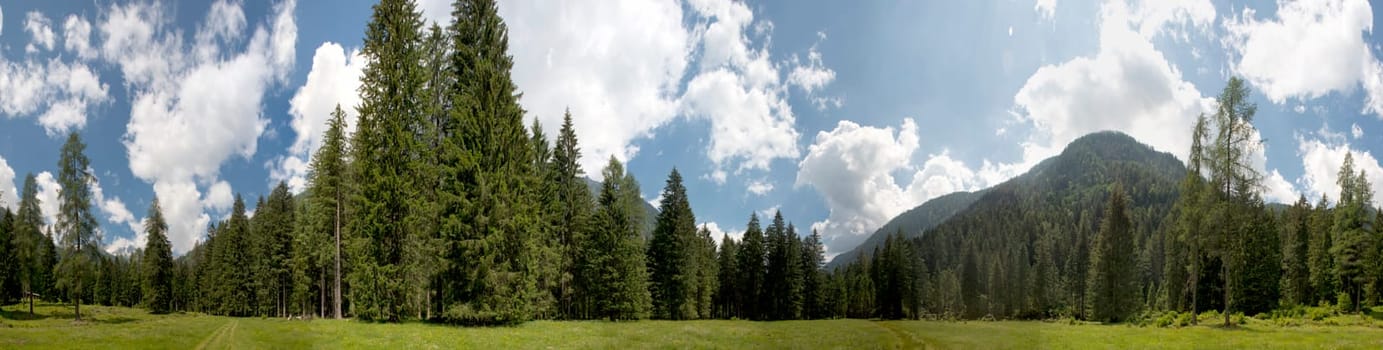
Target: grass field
(110, 327)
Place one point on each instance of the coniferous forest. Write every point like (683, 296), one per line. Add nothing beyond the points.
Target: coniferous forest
(443, 206)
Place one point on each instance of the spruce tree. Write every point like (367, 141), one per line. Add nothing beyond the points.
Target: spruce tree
(572, 211)
(158, 262)
(751, 270)
(384, 146)
(813, 281)
(1295, 284)
(1353, 243)
(1113, 294)
(1320, 264)
(614, 279)
(672, 255)
(76, 222)
(727, 296)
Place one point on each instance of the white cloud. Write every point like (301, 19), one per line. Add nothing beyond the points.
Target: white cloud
(1128, 85)
(61, 91)
(759, 187)
(333, 80)
(1321, 162)
(1045, 8)
(618, 66)
(41, 29)
(77, 37)
(194, 106)
(9, 194)
(435, 11)
(615, 64)
(117, 213)
(219, 197)
(48, 189)
(852, 167)
(719, 234)
(2, 21)
(1356, 131)
(1311, 49)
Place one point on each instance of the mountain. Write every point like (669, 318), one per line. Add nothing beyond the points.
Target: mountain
(1023, 246)
(650, 217)
(911, 222)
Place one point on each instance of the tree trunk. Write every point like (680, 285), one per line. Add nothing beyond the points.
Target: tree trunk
(337, 291)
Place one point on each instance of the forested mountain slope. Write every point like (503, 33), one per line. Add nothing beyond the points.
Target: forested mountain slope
(912, 223)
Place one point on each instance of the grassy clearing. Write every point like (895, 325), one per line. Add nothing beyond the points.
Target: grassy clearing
(132, 328)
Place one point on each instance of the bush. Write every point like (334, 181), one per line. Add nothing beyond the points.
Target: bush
(1185, 319)
(1168, 318)
(1343, 303)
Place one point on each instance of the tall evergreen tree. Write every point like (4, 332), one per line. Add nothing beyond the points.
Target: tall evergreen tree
(1234, 181)
(727, 297)
(672, 257)
(751, 270)
(9, 263)
(573, 210)
(1296, 236)
(489, 212)
(1320, 264)
(1113, 273)
(390, 113)
(158, 262)
(813, 282)
(614, 276)
(76, 222)
(1353, 243)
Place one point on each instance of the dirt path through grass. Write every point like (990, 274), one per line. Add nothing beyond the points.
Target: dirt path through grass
(905, 339)
(221, 337)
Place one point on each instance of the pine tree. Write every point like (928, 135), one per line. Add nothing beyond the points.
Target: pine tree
(1113, 286)
(672, 256)
(158, 262)
(76, 222)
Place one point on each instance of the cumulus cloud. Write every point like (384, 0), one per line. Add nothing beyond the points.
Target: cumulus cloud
(1311, 48)
(852, 167)
(77, 37)
(759, 187)
(194, 105)
(333, 80)
(1356, 131)
(719, 234)
(48, 189)
(1128, 85)
(619, 67)
(9, 194)
(615, 64)
(59, 92)
(40, 28)
(117, 213)
(1321, 162)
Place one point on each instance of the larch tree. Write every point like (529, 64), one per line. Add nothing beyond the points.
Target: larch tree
(76, 222)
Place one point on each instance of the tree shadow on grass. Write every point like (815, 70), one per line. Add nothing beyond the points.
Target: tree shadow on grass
(21, 315)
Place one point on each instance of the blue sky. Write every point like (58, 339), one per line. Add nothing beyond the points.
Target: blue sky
(841, 114)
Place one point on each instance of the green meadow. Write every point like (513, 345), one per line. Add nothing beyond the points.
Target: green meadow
(52, 327)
